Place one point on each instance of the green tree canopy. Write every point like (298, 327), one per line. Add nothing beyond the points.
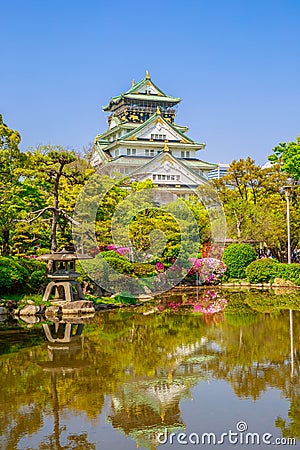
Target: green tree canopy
(10, 185)
(288, 155)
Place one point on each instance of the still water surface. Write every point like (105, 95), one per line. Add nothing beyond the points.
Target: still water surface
(130, 377)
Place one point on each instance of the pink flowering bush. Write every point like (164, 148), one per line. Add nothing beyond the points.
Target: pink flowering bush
(120, 250)
(159, 267)
(111, 247)
(209, 302)
(123, 250)
(208, 270)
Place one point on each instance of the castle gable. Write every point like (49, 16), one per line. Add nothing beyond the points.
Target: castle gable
(157, 128)
(166, 169)
(146, 86)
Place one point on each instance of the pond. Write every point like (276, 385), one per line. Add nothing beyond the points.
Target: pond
(163, 375)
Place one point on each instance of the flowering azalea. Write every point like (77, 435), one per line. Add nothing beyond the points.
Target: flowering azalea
(112, 247)
(123, 250)
(208, 270)
(159, 267)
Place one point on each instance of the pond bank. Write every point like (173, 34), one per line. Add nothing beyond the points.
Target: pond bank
(93, 304)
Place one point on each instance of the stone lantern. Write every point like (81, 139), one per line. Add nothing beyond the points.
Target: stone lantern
(63, 276)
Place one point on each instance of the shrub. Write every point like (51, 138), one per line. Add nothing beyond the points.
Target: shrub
(266, 270)
(210, 270)
(37, 280)
(262, 270)
(117, 262)
(21, 275)
(115, 276)
(237, 257)
(43, 251)
(290, 272)
(143, 269)
(32, 264)
(125, 298)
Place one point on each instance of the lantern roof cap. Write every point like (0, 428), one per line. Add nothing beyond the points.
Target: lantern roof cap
(63, 255)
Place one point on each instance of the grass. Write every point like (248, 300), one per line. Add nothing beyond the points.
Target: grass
(36, 298)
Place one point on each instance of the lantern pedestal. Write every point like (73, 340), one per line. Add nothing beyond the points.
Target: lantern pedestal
(65, 290)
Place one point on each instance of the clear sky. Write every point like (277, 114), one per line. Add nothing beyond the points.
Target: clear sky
(234, 63)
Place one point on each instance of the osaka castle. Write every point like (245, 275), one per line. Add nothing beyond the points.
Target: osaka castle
(143, 141)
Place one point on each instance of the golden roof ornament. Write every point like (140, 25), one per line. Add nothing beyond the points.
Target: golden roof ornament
(166, 148)
(147, 75)
(158, 112)
(132, 83)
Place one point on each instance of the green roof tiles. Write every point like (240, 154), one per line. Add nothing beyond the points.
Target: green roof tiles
(133, 93)
(152, 97)
(197, 163)
(137, 86)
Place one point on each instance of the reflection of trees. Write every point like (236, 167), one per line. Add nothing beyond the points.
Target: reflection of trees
(28, 418)
(256, 357)
(293, 427)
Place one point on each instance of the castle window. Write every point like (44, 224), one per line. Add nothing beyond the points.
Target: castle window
(159, 137)
(131, 151)
(149, 152)
(185, 154)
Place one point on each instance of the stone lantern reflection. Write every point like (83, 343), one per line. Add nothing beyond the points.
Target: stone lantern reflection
(66, 355)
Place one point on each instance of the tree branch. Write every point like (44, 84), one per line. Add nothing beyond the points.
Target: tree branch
(69, 218)
(40, 212)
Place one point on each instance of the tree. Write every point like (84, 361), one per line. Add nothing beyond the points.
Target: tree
(10, 160)
(255, 205)
(57, 171)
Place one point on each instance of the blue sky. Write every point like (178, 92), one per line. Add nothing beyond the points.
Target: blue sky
(234, 63)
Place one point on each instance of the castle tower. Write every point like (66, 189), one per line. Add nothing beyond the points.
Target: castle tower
(143, 141)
